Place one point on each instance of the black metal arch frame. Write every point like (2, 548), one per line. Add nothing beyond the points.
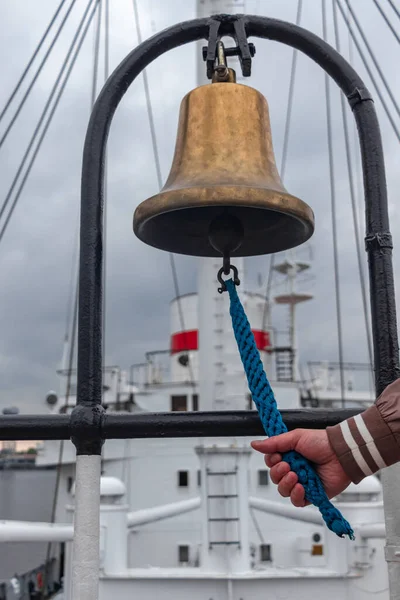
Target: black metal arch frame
(89, 425)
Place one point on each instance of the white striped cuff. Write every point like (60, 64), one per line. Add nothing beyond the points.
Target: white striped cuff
(352, 444)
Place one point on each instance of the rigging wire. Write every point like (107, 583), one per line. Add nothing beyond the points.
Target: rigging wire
(44, 60)
(372, 55)
(62, 442)
(72, 345)
(96, 54)
(360, 199)
(75, 267)
(333, 211)
(353, 199)
(106, 73)
(256, 525)
(103, 339)
(107, 41)
(93, 97)
(76, 301)
(30, 62)
(387, 20)
(290, 99)
(156, 156)
(75, 260)
(396, 10)
(283, 160)
(180, 311)
(267, 292)
(359, 187)
(76, 295)
(368, 69)
(38, 126)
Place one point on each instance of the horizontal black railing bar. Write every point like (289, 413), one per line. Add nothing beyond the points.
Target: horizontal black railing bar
(165, 425)
(34, 427)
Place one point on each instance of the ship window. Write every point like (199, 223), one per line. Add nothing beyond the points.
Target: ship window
(263, 478)
(70, 482)
(199, 478)
(183, 478)
(179, 403)
(195, 399)
(183, 554)
(265, 553)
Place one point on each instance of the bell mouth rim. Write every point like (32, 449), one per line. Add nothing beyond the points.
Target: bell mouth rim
(275, 200)
(191, 198)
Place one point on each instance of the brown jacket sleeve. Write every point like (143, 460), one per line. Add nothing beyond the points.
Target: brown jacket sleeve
(370, 441)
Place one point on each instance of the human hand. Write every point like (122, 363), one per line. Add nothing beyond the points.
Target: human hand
(312, 444)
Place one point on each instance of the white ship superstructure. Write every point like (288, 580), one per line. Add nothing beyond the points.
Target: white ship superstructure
(200, 516)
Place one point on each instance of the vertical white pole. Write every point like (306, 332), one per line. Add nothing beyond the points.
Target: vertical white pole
(209, 332)
(207, 274)
(215, 331)
(85, 557)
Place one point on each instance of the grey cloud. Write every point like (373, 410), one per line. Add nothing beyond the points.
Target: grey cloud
(36, 253)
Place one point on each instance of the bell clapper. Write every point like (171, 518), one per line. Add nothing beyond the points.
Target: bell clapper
(244, 50)
(225, 235)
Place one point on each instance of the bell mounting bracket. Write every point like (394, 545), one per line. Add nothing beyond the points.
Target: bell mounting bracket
(234, 26)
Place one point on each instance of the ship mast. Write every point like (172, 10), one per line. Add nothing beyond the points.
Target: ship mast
(222, 384)
(291, 267)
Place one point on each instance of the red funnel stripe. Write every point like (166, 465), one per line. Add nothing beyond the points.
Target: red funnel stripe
(184, 340)
(189, 340)
(262, 339)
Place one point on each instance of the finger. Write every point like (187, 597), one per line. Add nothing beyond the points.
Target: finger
(278, 443)
(297, 495)
(278, 472)
(287, 484)
(272, 459)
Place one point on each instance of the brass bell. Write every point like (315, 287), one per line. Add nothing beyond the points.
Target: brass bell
(223, 193)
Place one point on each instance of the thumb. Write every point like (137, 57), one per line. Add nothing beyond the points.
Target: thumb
(278, 443)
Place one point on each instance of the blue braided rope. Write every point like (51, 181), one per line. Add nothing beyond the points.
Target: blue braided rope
(264, 399)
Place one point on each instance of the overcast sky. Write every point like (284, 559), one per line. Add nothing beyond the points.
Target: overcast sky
(37, 251)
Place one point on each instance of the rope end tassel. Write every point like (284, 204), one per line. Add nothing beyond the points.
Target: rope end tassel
(271, 419)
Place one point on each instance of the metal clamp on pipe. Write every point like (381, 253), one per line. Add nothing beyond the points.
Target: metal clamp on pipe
(86, 424)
